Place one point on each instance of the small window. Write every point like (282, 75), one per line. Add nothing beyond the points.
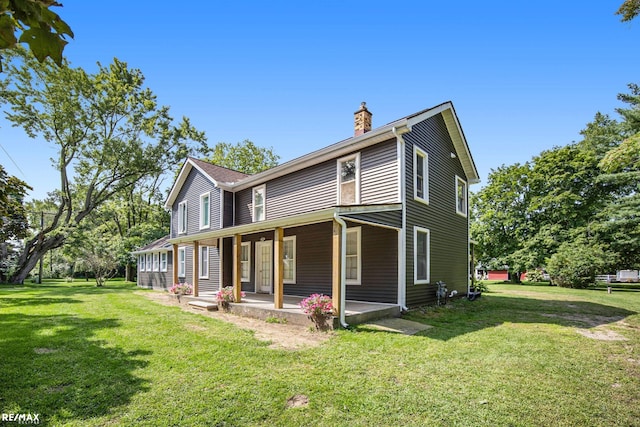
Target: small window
(259, 208)
(420, 175)
(421, 247)
(205, 211)
(349, 180)
(156, 262)
(141, 262)
(245, 261)
(149, 261)
(182, 217)
(289, 259)
(353, 261)
(461, 196)
(163, 261)
(182, 262)
(204, 262)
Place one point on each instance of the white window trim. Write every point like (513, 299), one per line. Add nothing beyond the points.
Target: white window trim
(417, 230)
(425, 179)
(358, 231)
(149, 262)
(163, 266)
(248, 261)
(142, 265)
(202, 225)
(466, 196)
(156, 261)
(262, 187)
(203, 261)
(295, 260)
(339, 162)
(182, 264)
(183, 217)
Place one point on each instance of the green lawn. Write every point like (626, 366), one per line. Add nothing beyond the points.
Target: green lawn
(83, 356)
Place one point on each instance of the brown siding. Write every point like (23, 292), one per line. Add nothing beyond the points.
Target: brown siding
(448, 230)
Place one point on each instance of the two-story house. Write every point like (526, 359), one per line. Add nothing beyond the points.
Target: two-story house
(379, 217)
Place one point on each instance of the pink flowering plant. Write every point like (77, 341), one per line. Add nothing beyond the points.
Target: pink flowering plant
(181, 289)
(226, 294)
(319, 308)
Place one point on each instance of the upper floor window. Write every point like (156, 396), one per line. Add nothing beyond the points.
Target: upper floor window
(349, 180)
(420, 175)
(354, 259)
(182, 262)
(205, 210)
(182, 217)
(289, 259)
(245, 261)
(163, 261)
(421, 248)
(461, 196)
(259, 208)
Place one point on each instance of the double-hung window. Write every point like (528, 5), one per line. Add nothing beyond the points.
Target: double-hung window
(182, 262)
(205, 210)
(420, 175)
(204, 262)
(421, 248)
(182, 217)
(289, 259)
(259, 204)
(354, 258)
(461, 196)
(156, 262)
(245, 261)
(163, 261)
(149, 262)
(349, 180)
(141, 263)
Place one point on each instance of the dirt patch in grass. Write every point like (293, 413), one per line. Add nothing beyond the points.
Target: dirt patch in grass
(601, 334)
(45, 350)
(590, 320)
(281, 336)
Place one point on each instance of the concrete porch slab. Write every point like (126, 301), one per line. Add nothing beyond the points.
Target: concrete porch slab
(203, 305)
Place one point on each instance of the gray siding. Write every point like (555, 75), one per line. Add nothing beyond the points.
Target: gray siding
(448, 230)
(159, 280)
(195, 185)
(315, 188)
(379, 174)
(390, 218)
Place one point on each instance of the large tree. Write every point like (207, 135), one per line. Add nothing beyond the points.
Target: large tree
(13, 218)
(37, 26)
(110, 132)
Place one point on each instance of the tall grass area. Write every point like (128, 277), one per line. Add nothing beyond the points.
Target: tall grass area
(85, 356)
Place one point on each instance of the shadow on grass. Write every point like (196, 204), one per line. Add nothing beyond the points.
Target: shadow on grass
(53, 366)
(20, 302)
(463, 317)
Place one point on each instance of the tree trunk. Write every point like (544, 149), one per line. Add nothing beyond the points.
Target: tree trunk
(128, 273)
(33, 251)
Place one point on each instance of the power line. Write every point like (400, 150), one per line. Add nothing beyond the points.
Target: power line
(13, 161)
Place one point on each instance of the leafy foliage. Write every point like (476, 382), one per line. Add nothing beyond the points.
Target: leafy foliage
(41, 28)
(13, 218)
(629, 10)
(244, 157)
(576, 263)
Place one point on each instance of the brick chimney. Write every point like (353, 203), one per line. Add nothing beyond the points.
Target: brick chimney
(362, 120)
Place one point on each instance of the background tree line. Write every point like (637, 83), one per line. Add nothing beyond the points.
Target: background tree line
(573, 210)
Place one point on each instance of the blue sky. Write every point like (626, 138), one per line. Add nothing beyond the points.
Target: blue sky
(523, 76)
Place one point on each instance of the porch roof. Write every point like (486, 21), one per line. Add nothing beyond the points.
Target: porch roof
(291, 221)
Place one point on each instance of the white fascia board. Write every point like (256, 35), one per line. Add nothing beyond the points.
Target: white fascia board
(182, 176)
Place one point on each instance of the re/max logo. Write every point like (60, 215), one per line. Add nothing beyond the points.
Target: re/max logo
(22, 418)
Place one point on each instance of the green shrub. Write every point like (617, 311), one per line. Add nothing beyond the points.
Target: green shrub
(576, 264)
(535, 276)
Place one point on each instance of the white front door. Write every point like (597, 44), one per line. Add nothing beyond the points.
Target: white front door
(264, 263)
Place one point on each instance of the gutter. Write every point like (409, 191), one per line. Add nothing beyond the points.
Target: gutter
(343, 269)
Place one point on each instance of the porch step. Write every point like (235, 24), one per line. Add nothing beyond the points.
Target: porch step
(203, 305)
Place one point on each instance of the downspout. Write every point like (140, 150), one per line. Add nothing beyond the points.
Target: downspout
(343, 268)
(402, 237)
